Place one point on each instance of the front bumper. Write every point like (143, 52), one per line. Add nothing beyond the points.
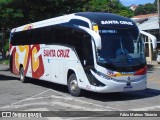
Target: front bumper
(121, 87)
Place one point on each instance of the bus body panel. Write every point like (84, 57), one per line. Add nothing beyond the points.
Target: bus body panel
(81, 75)
(52, 62)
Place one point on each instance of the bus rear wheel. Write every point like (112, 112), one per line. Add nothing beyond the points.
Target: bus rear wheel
(73, 88)
(22, 75)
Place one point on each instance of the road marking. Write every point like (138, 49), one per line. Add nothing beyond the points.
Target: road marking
(146, 108)
(55, 118)
(64, 97)
(51, 96)
(77, 107)
(24, 105)
(58, 92)
(25, 99)
(53, 103)
(37, 109)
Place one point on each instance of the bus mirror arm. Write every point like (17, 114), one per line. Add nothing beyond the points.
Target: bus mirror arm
(96, 37)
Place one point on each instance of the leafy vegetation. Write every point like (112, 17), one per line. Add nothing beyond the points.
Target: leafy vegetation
(6, 62)
(146, 9)
(6, 47)
(18, 12)
(113, 6)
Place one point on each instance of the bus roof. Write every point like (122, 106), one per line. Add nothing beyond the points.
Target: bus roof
(102, 18)
(99, 18)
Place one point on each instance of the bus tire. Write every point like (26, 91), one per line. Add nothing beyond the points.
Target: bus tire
(22, 76)
(73, 88)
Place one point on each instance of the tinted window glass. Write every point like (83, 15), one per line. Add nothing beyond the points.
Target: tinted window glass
(47, 35)
(19, 38)
(75, 39)
(60, 34)
(88, 53)
(79, 22)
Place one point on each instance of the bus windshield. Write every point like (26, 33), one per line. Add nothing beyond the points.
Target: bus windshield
(122, 49)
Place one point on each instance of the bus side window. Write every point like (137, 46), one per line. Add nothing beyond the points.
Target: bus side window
(31, 37)
(88, 53)
(75, 39)
(13, 39)
(60, 35)
(25, 38)
(18, 38)
(36, 36)
(39, 36)
(46, 35)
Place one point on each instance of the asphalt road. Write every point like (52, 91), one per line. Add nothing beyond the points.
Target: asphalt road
(39, 95)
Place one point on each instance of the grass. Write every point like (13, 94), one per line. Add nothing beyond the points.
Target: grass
(6, 62)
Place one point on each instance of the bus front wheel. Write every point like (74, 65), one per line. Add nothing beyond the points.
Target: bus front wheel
(73, 88)
(22, 75)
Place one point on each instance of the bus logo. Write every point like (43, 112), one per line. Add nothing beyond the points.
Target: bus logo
(128, 79)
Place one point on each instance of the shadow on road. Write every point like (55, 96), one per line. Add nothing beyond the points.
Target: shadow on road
(54, 86)
(147, 93)
(5, 78)
(7, 69)
(125, 96)
(105, 97)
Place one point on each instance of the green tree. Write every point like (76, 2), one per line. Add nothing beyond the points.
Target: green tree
(155, 2)
(110, 6)
(4, 2)
(146, 9)
(6, 47)
(18, 12)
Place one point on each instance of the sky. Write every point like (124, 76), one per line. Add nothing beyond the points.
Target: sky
(137, 2)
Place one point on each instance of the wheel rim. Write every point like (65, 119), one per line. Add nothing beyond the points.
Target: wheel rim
(21, 75)
(74, 85)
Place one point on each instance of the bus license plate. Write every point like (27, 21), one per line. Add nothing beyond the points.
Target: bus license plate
(129, 88)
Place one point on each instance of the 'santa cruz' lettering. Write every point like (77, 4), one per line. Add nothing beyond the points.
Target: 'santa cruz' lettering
(126, 23)
(63, 53)
(60, 53)
(114, 22)
(110, 22)
(49, 53)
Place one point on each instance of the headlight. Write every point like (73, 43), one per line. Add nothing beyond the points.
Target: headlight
(103, 75)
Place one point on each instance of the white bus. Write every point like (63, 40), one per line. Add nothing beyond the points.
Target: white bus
(94, 51)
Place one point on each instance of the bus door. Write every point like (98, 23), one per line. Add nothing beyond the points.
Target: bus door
(55, 64)
(51, 64)
(47, 58)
